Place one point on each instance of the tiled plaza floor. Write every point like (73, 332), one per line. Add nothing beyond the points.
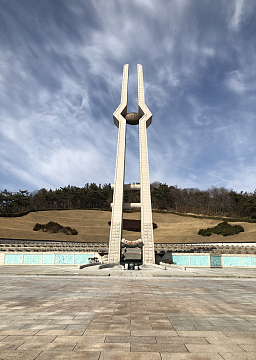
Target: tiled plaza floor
(108, 318)
(64, 270)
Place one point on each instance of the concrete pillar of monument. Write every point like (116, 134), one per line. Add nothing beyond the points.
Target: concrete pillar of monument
(117, 207)
(145, 196)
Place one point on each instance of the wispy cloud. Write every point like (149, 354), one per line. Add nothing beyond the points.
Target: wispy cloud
(238, 14)
(61, 73)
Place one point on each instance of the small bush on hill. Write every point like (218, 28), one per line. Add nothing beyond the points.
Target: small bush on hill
(223, 228)
(54, 227)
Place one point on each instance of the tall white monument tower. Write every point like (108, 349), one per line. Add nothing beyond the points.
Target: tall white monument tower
(143, 118)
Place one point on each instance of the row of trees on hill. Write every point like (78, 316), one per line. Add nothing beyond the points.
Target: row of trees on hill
(212, 202)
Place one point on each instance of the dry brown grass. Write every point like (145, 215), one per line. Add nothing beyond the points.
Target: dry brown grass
(92, 226)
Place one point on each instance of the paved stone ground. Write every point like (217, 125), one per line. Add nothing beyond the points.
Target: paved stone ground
(117, 272)
(110, 318)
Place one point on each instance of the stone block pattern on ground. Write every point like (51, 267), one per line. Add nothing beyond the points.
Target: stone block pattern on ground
(59, 317)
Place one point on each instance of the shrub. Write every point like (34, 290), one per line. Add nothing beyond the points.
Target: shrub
(54, 227)
(37, 227)
(223, 228)
(168, 261)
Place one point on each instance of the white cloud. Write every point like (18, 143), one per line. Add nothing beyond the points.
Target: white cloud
(209, 51)
(238, 15)
(241, 82)
(235, 82)
(61, 74)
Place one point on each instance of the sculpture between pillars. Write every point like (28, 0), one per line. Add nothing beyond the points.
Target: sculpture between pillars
(143, 119)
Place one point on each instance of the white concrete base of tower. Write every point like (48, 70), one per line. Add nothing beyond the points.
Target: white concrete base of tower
(145, 118)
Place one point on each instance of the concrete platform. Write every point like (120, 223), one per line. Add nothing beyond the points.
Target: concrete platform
(65, 313)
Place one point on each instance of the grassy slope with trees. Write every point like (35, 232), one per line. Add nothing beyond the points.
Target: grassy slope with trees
(92, 226)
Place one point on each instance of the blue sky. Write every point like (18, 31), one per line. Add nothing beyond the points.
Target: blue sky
(61, 74)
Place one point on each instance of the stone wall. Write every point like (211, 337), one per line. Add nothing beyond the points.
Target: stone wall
(47, 258)
(208, 260)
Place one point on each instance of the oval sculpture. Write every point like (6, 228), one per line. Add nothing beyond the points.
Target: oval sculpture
(132, 118)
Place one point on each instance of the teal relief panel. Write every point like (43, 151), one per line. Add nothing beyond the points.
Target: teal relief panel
(47, 258)
(64, 259)
(180, 259)
(199, 260)
(215, 260)
(13, 259)
(32, 259)
(249, 261)
(231, 261)
(82, 258)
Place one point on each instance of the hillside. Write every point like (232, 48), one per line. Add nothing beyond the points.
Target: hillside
(92, 226)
